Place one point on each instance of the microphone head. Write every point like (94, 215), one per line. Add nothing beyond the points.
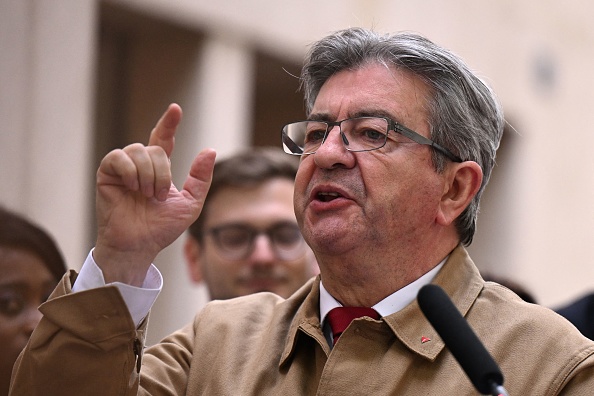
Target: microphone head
(460, 339)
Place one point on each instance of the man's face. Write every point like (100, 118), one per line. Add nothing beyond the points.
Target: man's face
(264, 207)
(362, 205)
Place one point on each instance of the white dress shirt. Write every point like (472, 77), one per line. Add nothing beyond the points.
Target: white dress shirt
(389, 305)
(139, 300)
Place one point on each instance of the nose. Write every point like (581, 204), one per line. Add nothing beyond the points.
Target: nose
(263, 253)
(333, 152)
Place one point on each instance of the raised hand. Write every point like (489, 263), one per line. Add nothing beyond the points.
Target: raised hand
(139, 210)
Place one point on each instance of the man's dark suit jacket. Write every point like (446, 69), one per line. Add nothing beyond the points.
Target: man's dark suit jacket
(581, 314)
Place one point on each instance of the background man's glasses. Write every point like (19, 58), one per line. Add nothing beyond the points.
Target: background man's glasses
(237, 241)
(358, 134)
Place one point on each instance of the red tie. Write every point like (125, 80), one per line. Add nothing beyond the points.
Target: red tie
(340, 317)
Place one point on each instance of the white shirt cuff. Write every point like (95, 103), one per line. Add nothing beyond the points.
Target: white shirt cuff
(139, 300)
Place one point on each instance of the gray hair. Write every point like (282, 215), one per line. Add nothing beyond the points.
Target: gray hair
(464, 114)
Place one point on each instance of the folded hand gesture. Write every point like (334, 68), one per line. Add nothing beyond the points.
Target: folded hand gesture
(139, 210)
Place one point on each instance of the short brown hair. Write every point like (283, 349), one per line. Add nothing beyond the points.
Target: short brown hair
(248, 168)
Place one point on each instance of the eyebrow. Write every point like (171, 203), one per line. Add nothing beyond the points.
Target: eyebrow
(361, 113)
(319, 117)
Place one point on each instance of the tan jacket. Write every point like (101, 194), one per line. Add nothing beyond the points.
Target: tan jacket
(264, 345)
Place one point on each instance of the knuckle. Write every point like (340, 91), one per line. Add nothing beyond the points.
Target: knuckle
(156, 151)
(134, 149)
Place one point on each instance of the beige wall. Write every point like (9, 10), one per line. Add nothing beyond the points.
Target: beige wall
(46, 80)
(537, 222)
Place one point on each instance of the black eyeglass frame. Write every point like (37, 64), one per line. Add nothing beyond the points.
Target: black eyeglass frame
(290, 147)
(296, 251)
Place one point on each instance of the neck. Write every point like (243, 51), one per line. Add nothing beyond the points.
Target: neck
(365, 279)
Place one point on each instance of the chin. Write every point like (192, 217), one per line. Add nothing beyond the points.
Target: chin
(332, 244)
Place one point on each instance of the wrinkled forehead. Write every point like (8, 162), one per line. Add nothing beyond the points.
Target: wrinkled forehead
(373, 90)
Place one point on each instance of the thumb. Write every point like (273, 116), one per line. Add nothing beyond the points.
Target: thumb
(200, 176)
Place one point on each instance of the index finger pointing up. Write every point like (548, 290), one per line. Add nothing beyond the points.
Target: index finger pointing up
(163, 134)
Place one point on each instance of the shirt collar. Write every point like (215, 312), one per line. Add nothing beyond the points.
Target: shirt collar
(389, 305)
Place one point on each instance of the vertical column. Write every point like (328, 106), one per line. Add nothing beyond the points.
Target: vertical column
(15, 23)
(217, 113)
(225, 95)
(47, 90)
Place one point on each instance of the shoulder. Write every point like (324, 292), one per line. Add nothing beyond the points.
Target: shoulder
(529, 338)
(254, 310)
(501, 305)
(505, 319)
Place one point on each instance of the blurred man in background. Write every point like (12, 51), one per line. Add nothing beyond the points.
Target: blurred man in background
(247, 239)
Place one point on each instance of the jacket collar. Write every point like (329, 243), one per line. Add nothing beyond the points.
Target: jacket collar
(306, 319)
(459, 278)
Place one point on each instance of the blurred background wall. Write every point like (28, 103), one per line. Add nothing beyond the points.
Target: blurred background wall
(81, 77)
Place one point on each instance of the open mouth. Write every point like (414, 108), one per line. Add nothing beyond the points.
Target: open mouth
(327, 196)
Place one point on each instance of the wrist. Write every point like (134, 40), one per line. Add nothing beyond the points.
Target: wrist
(125, 267)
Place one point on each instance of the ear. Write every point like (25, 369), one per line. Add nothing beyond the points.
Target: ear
(192, 255)
(462, 182)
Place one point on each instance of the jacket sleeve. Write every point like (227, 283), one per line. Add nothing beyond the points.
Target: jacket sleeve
(85, 344)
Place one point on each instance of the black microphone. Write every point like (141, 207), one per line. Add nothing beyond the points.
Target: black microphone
(461, 340)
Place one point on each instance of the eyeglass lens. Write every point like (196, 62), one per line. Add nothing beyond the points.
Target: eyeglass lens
(237, 241)
(358, 134)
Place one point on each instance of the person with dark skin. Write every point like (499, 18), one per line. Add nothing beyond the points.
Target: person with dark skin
(30, 267)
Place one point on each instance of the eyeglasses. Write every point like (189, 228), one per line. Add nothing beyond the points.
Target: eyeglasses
(236, 241)
(358, 134)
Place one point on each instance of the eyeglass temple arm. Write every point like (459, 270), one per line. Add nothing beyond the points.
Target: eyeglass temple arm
(409, 133)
